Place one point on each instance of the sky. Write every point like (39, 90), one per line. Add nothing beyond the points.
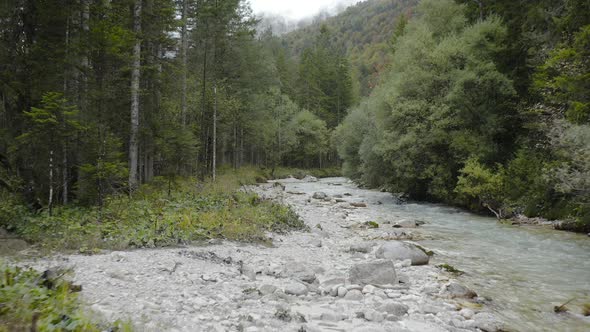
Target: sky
(295, 9)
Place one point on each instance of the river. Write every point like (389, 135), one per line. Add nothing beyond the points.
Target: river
(524, 270)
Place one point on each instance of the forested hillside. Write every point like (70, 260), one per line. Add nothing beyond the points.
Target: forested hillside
(483, 106)
(362, 33)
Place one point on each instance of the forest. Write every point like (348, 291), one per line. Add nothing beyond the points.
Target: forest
(484, 107)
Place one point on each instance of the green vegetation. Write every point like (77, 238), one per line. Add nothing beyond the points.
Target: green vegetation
(462, 117)
(31, 301)
(157, 216)
(450, 269)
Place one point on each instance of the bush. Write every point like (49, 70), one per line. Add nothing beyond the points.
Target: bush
(33, 301)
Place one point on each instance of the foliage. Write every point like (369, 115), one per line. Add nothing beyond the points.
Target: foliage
(33, 301)
(191, 211)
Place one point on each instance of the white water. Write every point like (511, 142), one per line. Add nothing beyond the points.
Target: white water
(524, 270)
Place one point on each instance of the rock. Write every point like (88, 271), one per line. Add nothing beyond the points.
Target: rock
(342, 291)
(369, 289)
(403, 278)
(248, 271)
(459, 291)
(374, 316)
(319, 195)
(405, 224)
(364, 247)
(397, 250)
(466, 313)
(379, 272)
(354, 286)
(315, 243)
(299, 271)
(331, 317)
(267, 289)
(358, 205)
(354, 295)
(486, 322)
(431, 309)
(295, 288)
(118, 256)
(394, 308)
(309, 178)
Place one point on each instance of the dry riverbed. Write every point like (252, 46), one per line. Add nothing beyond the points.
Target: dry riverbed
(342, 275)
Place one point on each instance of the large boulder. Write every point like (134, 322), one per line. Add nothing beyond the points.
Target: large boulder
(380, 272)
(396, 250)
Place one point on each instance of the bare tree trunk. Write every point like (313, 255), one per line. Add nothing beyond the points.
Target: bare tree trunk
(65, 175)
(135, 77)
(64, 146)
(184, 49)
(50, 200)
(214, 149)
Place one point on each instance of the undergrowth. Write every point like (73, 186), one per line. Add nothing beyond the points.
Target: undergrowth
(32, 301)
(156, 217)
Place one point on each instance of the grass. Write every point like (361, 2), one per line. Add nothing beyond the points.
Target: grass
(31, 301)
(153, 218)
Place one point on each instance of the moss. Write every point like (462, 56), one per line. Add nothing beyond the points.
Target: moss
(372, 224)
(430, 253)
(450, 269)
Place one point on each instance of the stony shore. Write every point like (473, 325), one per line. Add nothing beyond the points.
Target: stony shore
(344, 274)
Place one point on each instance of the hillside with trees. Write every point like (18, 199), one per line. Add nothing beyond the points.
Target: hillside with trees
(362, 33)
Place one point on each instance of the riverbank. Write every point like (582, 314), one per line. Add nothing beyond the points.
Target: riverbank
(304, 280)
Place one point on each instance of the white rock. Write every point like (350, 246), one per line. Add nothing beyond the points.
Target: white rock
(369, 289)
(467, 313)
(342, 291)
(296, 288)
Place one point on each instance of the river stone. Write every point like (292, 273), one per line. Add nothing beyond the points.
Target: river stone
(267, 289)
(364, 247)
(379, 272)
(374, 316)
(369, 289)
(354, 295)
(486, 322)
(299, 271)
(457, 290)
(309, 178)
(397, 250)
(395, 308)
(319, 195)
(466, 313)
(341, 291)
(295, 288)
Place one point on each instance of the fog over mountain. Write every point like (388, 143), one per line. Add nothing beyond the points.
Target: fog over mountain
(286, 16)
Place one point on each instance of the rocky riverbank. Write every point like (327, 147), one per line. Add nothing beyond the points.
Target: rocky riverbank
(348, 273)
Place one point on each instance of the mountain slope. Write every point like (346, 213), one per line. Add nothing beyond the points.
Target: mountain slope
(362, 32)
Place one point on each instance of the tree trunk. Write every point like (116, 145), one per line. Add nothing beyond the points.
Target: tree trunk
(184, 48)
(214, 148)
(50, 199)
(65, 175)
(135, 77)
